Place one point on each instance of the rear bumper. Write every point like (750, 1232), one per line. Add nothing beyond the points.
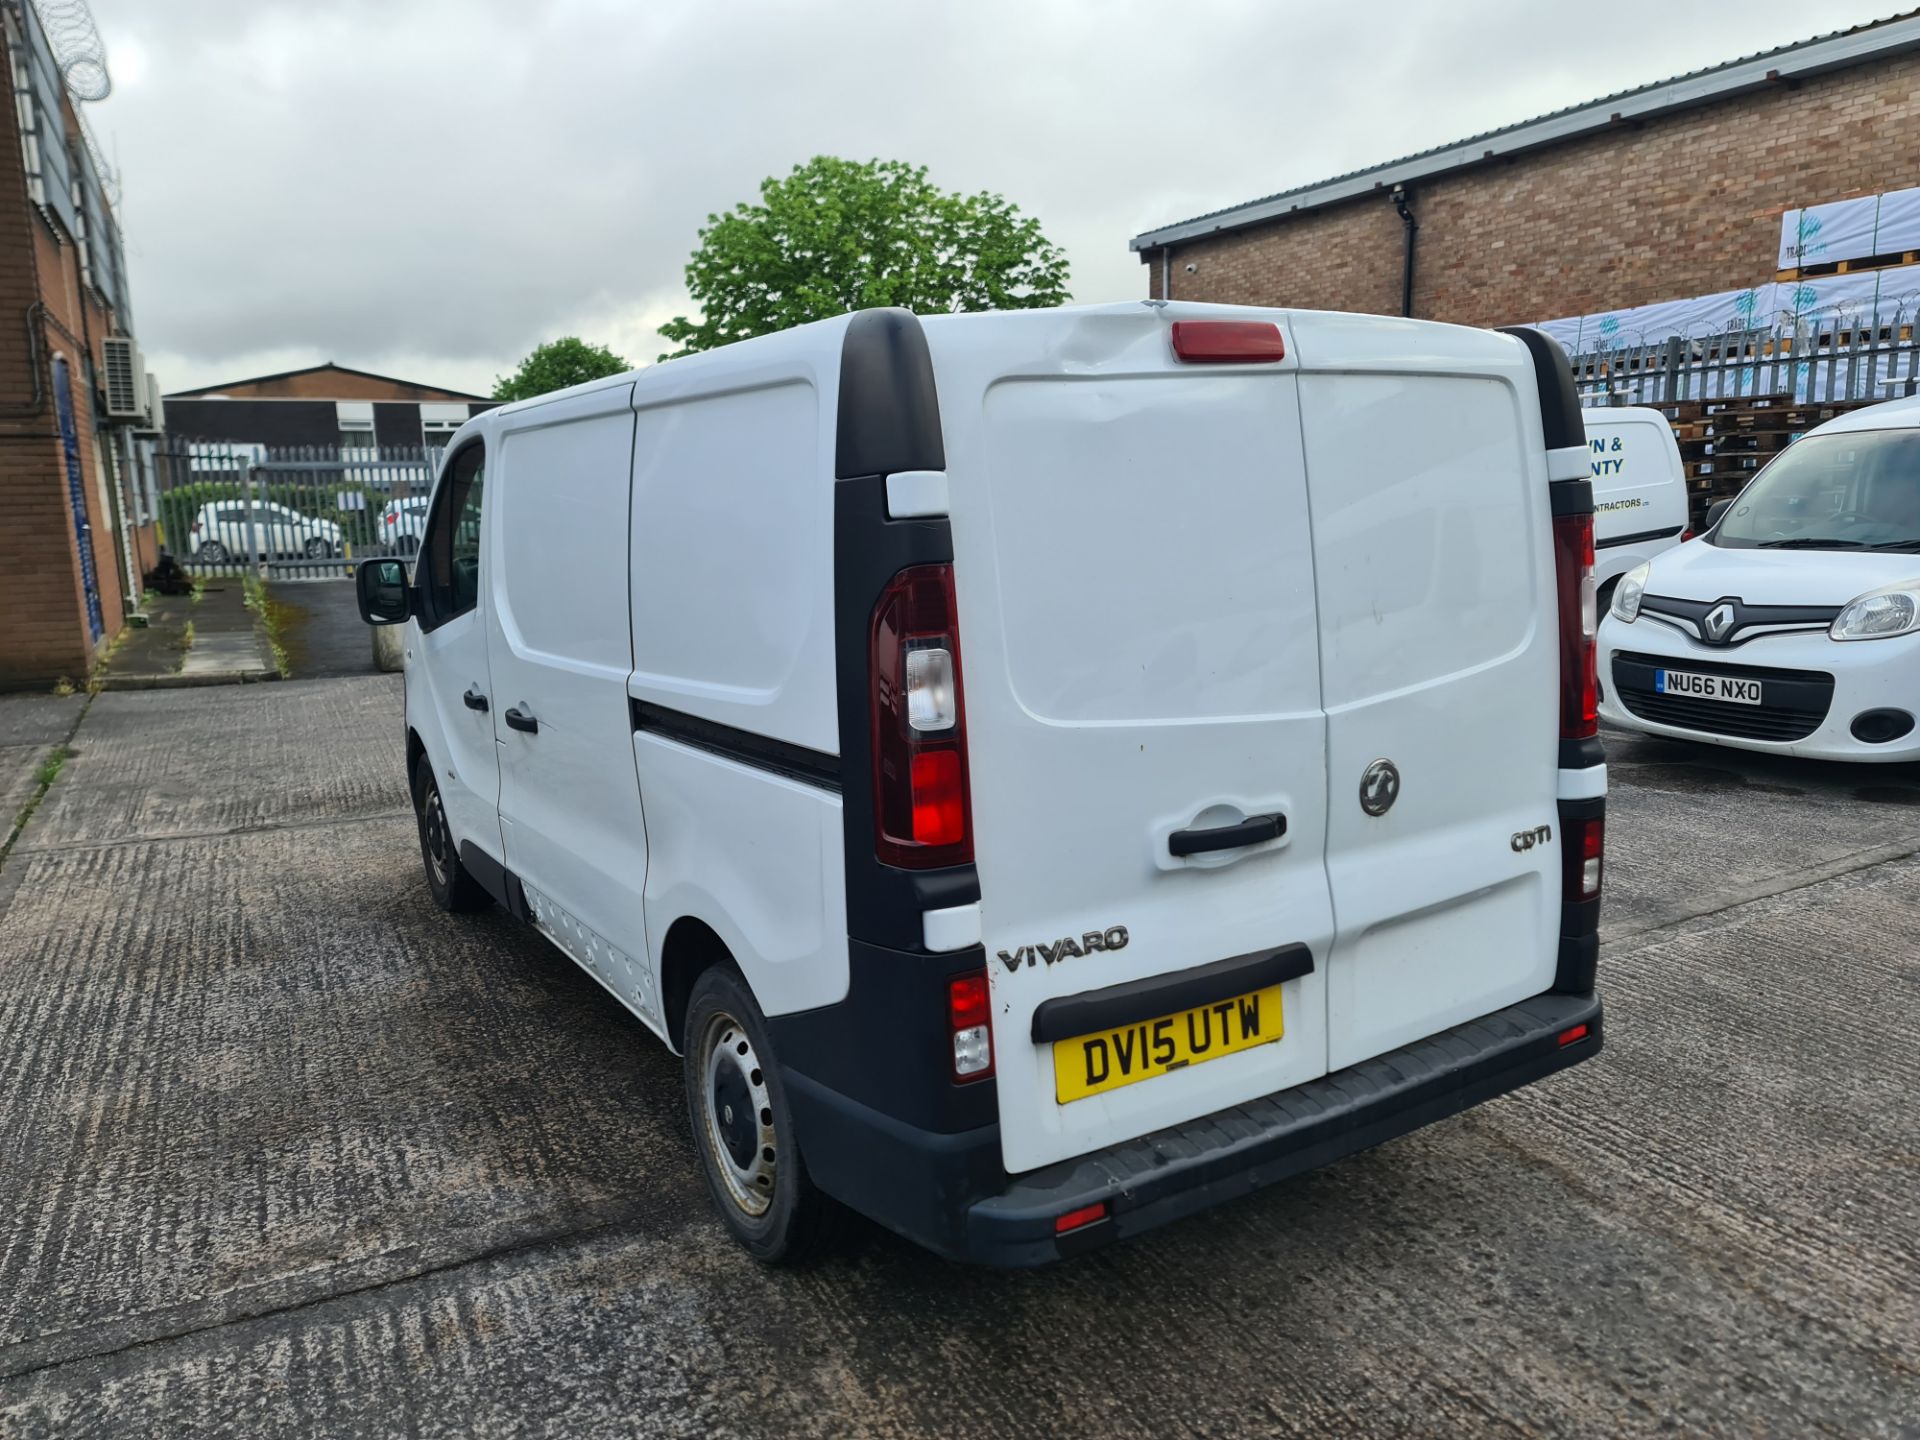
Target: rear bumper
(949, 1193)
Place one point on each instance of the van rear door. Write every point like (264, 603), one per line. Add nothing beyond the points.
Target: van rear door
(1134, 574)
(1439, 661)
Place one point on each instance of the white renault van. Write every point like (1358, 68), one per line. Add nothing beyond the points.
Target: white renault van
(1639, 490)
(1046, 772)
(1792, 624)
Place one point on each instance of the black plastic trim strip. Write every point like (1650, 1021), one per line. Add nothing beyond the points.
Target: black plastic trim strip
(1560, 418)
(1582, 754)
(889, 406)
(1577, 959)
(1117, 1005)
(498, 881)
(1570, 497)
(889, 420)
(1637, 537)
(491, 874)
(762, 752)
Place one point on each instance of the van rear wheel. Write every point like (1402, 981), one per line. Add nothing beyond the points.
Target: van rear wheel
(743, 1128)
(453, 889)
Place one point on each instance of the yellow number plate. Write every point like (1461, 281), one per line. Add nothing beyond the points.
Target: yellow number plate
(1094, 1064)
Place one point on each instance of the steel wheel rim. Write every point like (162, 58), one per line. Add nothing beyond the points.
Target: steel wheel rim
(433, 828)
(742, 1142)
(318, 549)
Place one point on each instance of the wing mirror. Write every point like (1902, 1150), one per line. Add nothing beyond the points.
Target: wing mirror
(1715, 511)
(382, 589)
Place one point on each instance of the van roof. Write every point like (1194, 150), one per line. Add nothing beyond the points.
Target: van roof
(822, 337)
(1901, 414)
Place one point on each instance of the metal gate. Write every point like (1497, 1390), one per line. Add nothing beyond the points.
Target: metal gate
(1835, 359)
(298, 512)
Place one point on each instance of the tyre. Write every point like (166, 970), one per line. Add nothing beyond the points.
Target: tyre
(319, 548)
(211, 553)
(406, 545)
(453, 888)
(743, 1128)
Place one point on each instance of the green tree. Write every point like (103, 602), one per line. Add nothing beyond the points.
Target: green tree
(837, 235)
(556, 365)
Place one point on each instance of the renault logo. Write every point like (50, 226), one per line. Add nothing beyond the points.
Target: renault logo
(1379, 787)
(1718, 622)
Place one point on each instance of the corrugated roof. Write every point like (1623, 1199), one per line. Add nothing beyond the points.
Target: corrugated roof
(1832, 51)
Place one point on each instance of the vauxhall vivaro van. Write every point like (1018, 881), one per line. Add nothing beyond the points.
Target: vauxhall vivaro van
(1046, 772)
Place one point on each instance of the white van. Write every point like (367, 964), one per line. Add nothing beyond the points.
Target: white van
(1639, 491)
(1793, 624)
(1047, 772)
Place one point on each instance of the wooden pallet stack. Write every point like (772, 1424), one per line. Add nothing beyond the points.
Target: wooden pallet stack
(1724, 441)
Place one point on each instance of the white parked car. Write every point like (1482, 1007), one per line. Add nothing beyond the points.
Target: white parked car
(978, 744)
(402, 523)
(1639, 490)
(222, 531)
(1792, 625)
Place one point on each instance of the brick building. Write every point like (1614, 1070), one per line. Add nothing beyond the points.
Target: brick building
(71, 547)
(320, 407)
(1672, 190)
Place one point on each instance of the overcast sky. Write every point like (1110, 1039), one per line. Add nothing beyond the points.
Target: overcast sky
(431, 187)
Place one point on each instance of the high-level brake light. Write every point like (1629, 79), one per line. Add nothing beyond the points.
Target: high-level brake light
(1228, 342)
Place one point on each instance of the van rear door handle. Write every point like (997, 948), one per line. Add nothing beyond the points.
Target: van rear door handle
(1250, 831)
(473, 699)
(518, 719)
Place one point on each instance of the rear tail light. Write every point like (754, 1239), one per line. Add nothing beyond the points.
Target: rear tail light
(1686, 535)
(920, 805)
(195, 526)
(970, 1022)
(1579, 680)
(1583, 838)
(1228, 342)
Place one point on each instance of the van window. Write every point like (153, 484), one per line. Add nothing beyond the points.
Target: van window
(450, 553)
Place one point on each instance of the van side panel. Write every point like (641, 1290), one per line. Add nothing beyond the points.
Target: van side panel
(733, 731)
(560, 650)
(1438, 656)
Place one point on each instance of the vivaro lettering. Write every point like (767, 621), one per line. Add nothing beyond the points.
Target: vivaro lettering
(1066, 947)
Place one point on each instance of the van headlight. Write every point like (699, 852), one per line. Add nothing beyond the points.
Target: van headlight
(1626, 595)
(1880, 614)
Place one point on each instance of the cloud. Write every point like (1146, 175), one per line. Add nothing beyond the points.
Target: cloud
(431, 187)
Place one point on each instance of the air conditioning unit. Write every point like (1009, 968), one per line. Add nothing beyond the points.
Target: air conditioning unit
(123, 378)
(156, 409)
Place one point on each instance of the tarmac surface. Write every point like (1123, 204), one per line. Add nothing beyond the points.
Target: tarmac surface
(323, 633)
(285, 1150)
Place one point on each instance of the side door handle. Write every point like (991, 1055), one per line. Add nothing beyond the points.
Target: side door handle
(518, 719)
(473, 699)
(1250, 831)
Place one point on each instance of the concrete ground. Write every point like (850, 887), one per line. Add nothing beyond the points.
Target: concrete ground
(208, 638)
(285, 1150)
